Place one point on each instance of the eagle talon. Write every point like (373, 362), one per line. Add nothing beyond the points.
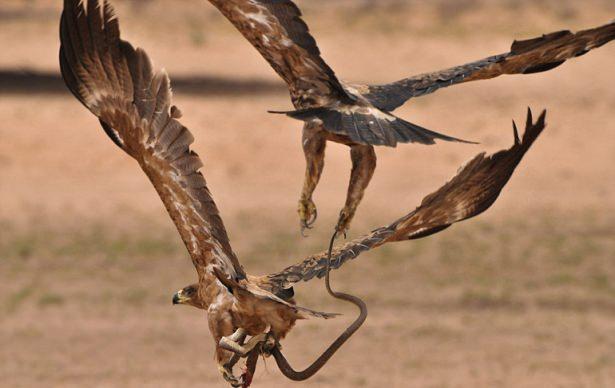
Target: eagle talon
(238, 336)
(343, 224)
(227, 343)
(228, 376)
(307, 214)
(268, 344)
(304, 227)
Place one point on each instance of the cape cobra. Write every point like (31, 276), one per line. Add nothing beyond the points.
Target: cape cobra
(311, 370)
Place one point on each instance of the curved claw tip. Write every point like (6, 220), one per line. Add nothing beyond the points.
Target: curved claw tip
(304, 226)
(310, 221)
(308, 224)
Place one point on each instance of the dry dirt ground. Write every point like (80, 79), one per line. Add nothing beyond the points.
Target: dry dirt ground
(522, 296)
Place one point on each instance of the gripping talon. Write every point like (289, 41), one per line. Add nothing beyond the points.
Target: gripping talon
(227, 343)
(227, 374)
(307, 214)
(310, 222)
(343, 224)
(238, 336)
(268, 344)
(304, 226)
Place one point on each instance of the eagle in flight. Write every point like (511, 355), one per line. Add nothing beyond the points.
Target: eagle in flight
(360, 115)
(133, 102)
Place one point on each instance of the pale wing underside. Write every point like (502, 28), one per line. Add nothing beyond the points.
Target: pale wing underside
(276, 30)
(133, 103)
(527, 56)
(472, 191)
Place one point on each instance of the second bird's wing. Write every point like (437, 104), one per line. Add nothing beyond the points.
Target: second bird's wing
(275, 28)
(525, 57)
(472, 191)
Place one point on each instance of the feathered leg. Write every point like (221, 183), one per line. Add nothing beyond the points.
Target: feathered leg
(314, 143)
(363, 166)
(220, 326)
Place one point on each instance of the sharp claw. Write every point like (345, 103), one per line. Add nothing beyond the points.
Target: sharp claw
(312, 220)
(304, 227)
(227, 343)
(260, 344)
(229, 377)
(342, 225)
(307, 215)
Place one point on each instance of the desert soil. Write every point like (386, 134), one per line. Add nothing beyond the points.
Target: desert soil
(522, 296)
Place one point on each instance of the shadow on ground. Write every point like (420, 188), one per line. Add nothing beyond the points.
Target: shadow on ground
(26, 81)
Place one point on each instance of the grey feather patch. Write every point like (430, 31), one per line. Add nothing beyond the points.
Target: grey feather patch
(365, 128)
(188, 163)
(169, 134)
(181, 144)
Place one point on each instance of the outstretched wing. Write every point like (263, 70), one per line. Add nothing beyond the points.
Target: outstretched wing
(525, 56)
(472, 191)
(133, 103)
(276, 30)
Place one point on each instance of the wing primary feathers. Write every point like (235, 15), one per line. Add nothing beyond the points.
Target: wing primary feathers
(277, 31)
(525, 57)
(469, 193)
(516, 133)
(117, 83)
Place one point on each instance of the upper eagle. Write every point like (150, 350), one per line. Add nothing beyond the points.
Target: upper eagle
(358, 115)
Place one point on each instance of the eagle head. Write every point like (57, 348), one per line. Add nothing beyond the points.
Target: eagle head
(188, 295)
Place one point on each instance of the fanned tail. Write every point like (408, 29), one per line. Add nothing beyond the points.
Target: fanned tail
(370, 126)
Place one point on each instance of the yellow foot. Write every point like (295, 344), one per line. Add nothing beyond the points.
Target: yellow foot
(307, 214)
(227, 374)
(227, 343)
(343, 223)
(238, 336)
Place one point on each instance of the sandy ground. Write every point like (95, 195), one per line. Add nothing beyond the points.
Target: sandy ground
(521, 296)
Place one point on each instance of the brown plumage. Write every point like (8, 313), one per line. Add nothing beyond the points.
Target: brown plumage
(472, 191)
(133, 103)
(359, 115)
(117, 83)
(474, 188)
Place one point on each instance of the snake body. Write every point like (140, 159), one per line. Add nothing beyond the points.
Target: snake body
(287, 370)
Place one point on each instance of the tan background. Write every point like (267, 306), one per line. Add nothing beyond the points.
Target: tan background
(521, 296)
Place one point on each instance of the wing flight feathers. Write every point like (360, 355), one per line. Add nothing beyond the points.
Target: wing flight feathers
(469, 193)
(133, 103)
(275, 28)
(525, 57)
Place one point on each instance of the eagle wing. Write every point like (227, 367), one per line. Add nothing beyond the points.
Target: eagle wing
(276, 30)
(525, 57)
(133, 103)
(472, 191)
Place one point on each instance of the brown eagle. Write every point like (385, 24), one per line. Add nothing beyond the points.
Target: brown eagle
(132, 101)
(360, 115)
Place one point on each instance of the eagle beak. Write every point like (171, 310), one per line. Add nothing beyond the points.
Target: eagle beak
(179, 298)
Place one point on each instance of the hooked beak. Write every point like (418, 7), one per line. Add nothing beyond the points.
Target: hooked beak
(179, 298)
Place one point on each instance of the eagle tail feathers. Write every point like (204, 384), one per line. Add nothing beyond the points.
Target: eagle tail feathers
(369, 126)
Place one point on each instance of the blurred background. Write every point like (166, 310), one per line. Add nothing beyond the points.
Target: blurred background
(521, 296)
